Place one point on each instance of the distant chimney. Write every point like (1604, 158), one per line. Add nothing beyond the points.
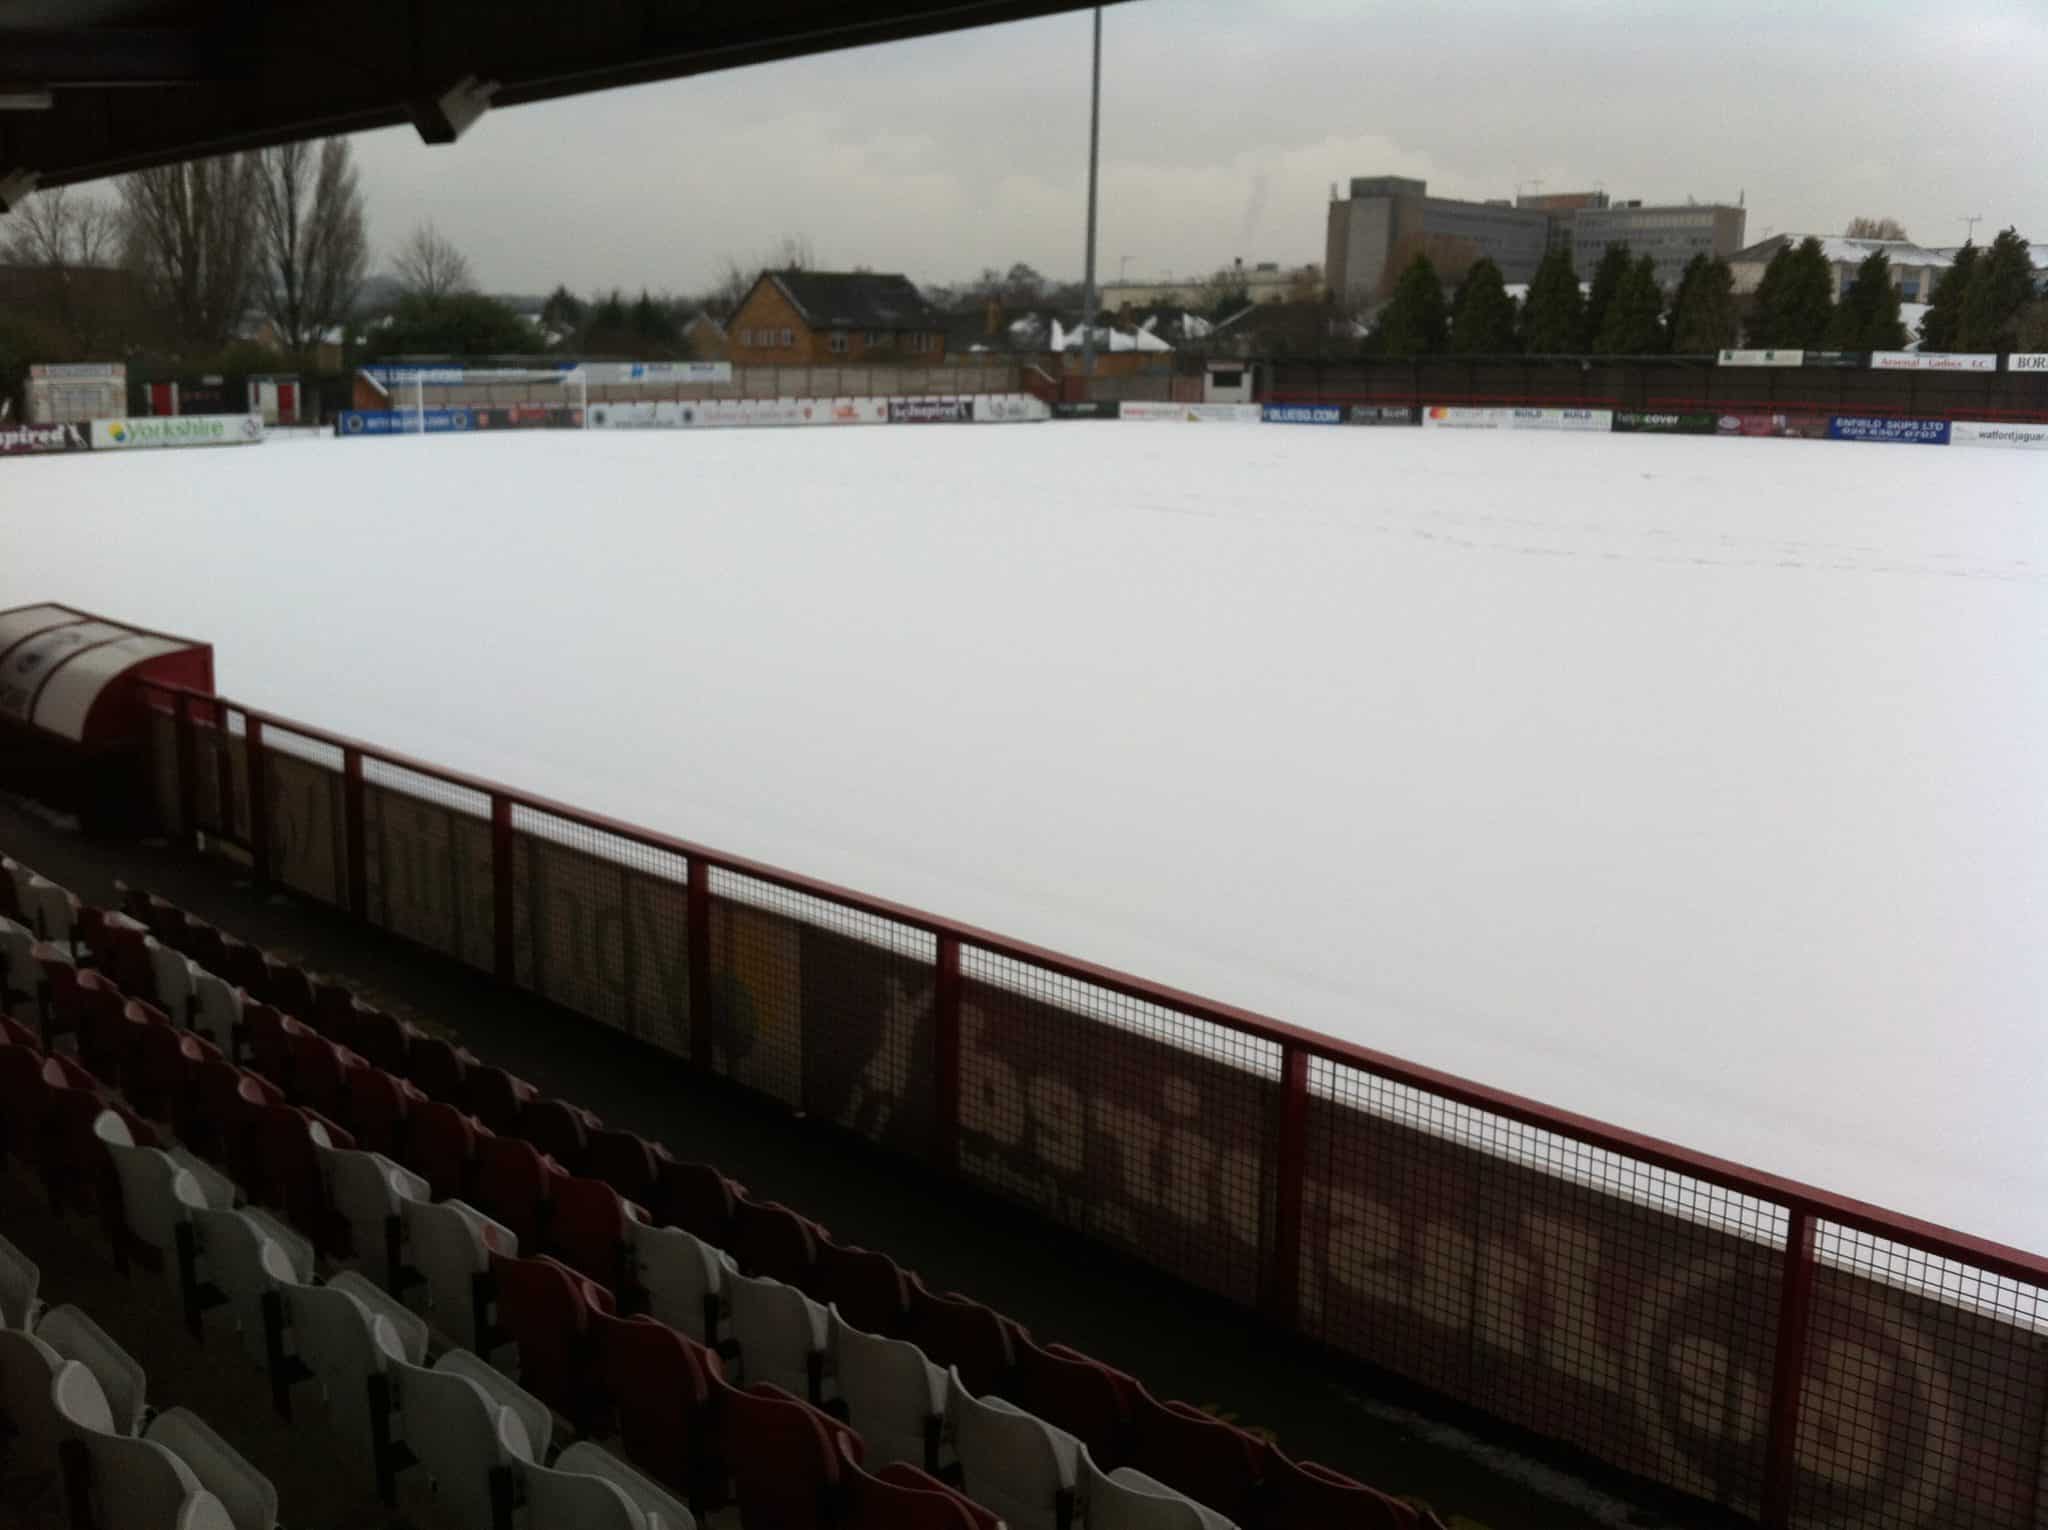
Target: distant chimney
(992, 317)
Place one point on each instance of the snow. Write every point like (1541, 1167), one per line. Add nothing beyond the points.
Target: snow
(1696, 785)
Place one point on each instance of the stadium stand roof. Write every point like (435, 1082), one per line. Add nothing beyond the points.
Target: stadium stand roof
(102, 87)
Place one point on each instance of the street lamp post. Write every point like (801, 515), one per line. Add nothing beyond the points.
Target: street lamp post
(1094, 156)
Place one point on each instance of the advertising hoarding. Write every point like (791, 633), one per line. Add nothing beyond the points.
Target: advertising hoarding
(929, 411)
(1936, 361)
(1086, 409)
(1463, 417)
(1383, 414)
(2027, 361)
(1877, 427)
(1740, 358)
(1303, 414)
(19, 440)
(1766, 422)
(1685, 422)
(177, 430)
(1990, 433)
(1190, 414)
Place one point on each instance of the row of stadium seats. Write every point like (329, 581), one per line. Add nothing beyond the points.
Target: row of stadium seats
(75, 1402)
(630, 1282)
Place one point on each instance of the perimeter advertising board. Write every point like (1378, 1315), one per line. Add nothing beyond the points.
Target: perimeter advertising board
(1686, 422)
(1739, 358)
(1869, 427)
(1303, 414)
(1085, 409)
(19, 440)
(1986, 433)
(399, 422)
(1008, 408)
(1765, 422)
(1462, 417)
(1937, 361)
(1383, 414)
(929, 411)
(2027, 361)
(1190, 414)
(177, 430)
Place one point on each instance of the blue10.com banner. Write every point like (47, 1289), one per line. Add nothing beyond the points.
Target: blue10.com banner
(1303, 414)
(1864, 427)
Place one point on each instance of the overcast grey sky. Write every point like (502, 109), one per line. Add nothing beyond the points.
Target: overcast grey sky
(1225, 122)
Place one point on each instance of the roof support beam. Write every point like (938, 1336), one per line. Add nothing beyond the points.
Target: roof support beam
(118, 56)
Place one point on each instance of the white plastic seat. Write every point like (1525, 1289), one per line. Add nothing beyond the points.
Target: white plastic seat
(663, 1509)
(141, 1485)
(344, 1331)
(176, 981)
(18, 971)
(158, 1194)
(450, 1243)
(779, 1330)
(1127, 1499)
(55, 911)
(217, 1007)
(19, 1282)
(248, 1496)
(34, 1403)
(72, 1334)
(466, 1424)
(1011, 1461)
(679, 1272)
(247, 1259)
(369, 1190)
(892, 1392)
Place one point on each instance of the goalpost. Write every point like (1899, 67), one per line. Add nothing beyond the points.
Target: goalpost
(456, 376)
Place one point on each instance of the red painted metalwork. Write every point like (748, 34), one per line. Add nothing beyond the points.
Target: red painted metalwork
(501, 887)
(946, 1056)
(259, 799)
(1377, 1197)
(188, 773)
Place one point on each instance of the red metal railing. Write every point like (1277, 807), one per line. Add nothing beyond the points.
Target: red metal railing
(1795, 1355)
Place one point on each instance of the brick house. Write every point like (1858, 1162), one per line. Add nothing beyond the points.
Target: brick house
(820, 318)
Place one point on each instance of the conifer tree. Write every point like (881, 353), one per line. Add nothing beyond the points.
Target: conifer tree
(1483, 315)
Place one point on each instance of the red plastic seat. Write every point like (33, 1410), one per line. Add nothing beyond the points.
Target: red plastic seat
(380, 1105)
(161, 1063)
(320, 1072)
(290, 1180)
(441, 1148)
(769, 1239)
(515, 1182)
(76, 1171)
(1305, 1496)
(1214, 1463)
(560, 1130)
(385, 1040)
(202, 942)
(699, 1200)
(24, 1098)
(903, 1497)
(440, 1068)
(13, 1033)
(119, 945)
(273, 1039)
(99, 1017)
(955, 1331)
(285, 986)
(587, 1221)
(1073, 1393)
(630, 1164)
(870, 1289)
(663, 1388)
(496, 1097)
(545, 1308)
(240, 964)
(224, 1110)
(789, 1461)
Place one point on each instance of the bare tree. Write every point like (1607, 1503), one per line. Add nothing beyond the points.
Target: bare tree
(1875, 228)
(736, 278)
(61, 233)
(190, 233)
(315, 248)
(429, 266)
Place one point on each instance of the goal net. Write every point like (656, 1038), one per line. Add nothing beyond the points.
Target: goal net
(444, 398)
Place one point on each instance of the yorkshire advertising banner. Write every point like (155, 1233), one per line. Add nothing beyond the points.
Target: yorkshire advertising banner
(178, 430)
(1937, 361)
(1303, 414)
(1765, 422)
(1460, 417)
(1985, 433)
(1191, 414)
(1688, 422)
(1868, 427)
(1383, 414)
(19, 440)
(930, 411)
(1762, 358)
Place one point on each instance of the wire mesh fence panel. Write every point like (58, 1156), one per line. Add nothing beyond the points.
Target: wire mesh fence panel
(163, 767)
(427, 861)
(1602, 1301)
(303, 808)
(756, 999)
(1150, 1128)
(207, 754)
(600, 925)
(1925, 1392)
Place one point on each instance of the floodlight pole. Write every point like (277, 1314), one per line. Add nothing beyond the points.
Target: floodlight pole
(1094, 156)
